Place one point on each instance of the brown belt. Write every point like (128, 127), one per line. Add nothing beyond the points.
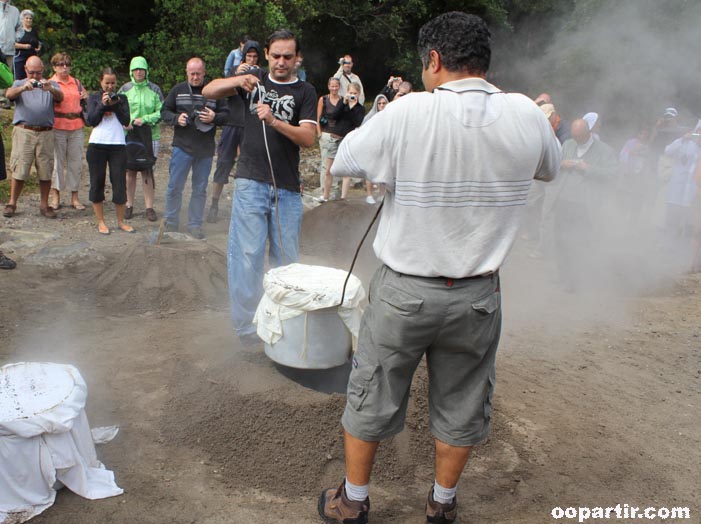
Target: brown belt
(69, 116)
(34, 128)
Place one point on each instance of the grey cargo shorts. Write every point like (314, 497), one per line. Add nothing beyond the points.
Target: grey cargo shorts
(456, 324)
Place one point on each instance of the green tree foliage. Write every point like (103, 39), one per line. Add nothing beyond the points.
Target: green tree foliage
(380, 34)
(573, 48)
(208, 29)
(96, 33)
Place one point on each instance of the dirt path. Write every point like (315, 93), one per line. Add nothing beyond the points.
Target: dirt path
(597, 398)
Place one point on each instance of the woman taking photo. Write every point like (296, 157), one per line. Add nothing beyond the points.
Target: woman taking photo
(26, 43)
(108, 113)
(69, 139)
(348, 115)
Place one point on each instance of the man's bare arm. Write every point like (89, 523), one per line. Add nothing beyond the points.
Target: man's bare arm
(13, 92)
(224, 87)
(303, 135)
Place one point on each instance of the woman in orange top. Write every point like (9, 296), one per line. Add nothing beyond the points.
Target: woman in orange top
(68, 133)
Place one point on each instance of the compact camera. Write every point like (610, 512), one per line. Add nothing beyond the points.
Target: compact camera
(352, 97)
(36, 84)
(114, 97)
(255, 71)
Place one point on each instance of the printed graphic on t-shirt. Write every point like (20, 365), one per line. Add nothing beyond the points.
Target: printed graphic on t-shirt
(283, 107)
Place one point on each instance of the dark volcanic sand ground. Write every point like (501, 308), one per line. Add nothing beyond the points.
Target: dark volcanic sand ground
(597, 398)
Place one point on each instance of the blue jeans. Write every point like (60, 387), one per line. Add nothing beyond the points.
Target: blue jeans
(180, 164)
(253, 224)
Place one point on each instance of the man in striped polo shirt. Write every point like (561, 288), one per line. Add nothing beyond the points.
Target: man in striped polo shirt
(458, 161)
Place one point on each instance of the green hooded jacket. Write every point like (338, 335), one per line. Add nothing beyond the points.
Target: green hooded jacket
(145, 98)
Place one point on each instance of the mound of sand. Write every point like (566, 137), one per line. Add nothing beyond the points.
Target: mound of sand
(185, 276)
(287, 440)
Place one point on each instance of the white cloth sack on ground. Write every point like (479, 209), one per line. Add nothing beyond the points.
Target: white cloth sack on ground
(104, 434)
(45, 440)
(295, 289)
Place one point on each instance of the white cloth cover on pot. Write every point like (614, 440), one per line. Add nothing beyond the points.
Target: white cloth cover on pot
(45, 440)
(298, 288)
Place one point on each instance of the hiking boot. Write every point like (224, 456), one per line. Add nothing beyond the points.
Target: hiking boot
(196, 233)
(335, 508)
(212, 215)
(150, 214)
(437, 513)
(128, 213)
(6, 263)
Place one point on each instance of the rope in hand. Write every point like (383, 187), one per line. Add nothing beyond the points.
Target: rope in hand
(357, 251)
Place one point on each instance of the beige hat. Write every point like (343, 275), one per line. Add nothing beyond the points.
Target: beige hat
(548, 109)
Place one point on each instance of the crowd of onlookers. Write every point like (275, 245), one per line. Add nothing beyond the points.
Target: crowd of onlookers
(599, 191)
(341, 111)
(51, 113)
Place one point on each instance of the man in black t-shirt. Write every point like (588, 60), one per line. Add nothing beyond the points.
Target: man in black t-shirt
(280, 117)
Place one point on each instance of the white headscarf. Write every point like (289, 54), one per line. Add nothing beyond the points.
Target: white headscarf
(374, 109)
(591, 119)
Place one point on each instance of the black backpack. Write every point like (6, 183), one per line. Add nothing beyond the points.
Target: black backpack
(140, 149)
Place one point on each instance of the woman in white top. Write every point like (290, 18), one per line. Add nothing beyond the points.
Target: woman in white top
(681, 189)
(108, 113)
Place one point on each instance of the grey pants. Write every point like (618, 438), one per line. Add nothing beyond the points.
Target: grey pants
(456, 324)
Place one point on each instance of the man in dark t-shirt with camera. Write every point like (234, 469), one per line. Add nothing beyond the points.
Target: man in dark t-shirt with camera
(280, 117)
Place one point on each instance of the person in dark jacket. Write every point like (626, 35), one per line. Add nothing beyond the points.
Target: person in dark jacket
(349, 115)
(232, 132)
(108, 113)
(194, 118)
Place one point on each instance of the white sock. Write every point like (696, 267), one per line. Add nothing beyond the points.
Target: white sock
(443, 495)
(353, 492)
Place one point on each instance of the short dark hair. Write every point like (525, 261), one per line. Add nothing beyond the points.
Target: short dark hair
(282, 34)
(107, 71)
(461, 40)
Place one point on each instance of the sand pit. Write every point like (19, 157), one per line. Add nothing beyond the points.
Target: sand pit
(586, 412)
(286, 441)
(182, 276)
